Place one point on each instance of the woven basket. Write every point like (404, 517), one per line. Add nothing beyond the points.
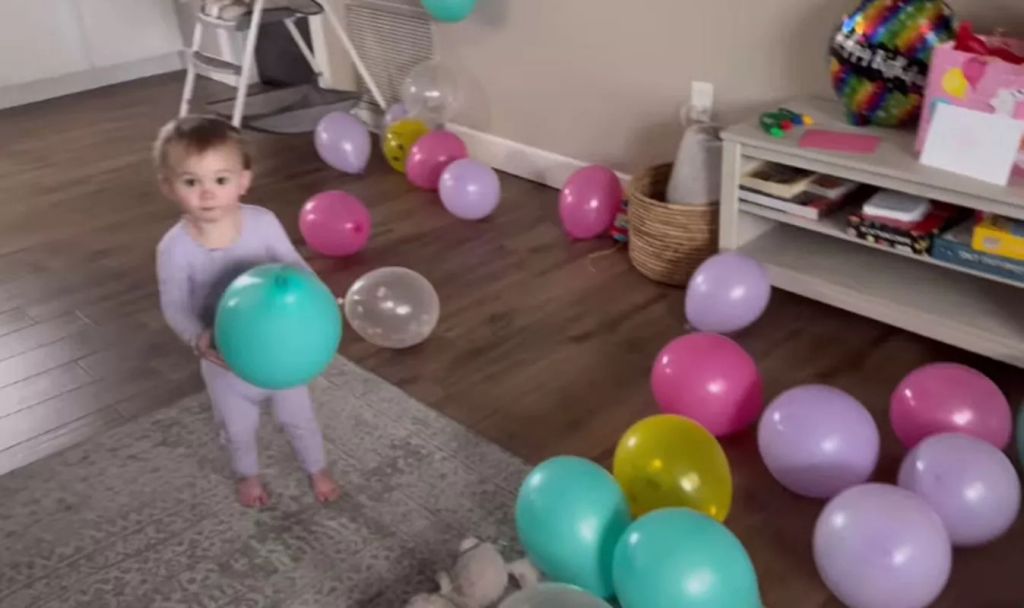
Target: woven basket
(666, 241)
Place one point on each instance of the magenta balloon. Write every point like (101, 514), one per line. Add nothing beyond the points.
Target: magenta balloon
(970, 484)
(335, 223)
(589, 201)
(710, 379)
(343, 142)
(727, 293)
(880, 546)
(431, 155)
(470, 190)
(943, 397)
(818, 441)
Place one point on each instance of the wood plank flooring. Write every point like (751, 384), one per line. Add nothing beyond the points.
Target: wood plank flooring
(541, 347)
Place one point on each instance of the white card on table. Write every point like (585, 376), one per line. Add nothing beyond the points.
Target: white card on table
(972, 143)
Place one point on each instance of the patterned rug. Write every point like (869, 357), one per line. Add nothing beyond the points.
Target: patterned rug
(145, 515)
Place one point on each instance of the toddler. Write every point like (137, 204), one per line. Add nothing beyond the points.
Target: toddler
(203, 165)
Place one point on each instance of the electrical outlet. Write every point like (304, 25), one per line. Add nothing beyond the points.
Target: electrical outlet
(702, 99)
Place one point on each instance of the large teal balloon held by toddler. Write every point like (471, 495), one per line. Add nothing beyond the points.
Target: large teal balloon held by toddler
(278, 327)
(678, 557)
(570, 513)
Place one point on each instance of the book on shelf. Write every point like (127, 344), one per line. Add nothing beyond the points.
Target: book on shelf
(916, 239)
(822, 196)
(896, 208)
(954, 247)
(777, 180)
(1001, 236)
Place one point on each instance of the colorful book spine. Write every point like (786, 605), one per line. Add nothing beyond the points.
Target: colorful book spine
(959, 254)
(1000, 236)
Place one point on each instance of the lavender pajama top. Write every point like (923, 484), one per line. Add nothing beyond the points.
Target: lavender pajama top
(191, 279)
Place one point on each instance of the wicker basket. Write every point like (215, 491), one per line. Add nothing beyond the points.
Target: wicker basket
(667, 242)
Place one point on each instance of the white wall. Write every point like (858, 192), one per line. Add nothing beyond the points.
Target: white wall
(602, 80)
(55, 47)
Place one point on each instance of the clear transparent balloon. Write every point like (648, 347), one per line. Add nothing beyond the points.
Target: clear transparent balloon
(392, 307)
(431, 92)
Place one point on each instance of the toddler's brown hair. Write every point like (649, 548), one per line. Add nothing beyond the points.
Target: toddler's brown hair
(196, 134)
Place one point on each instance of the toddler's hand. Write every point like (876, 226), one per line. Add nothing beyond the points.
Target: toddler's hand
(204, 348)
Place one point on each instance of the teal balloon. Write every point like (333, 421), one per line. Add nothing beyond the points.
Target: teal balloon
(678, 557)
(570, 514)
(449, 11)
(277, 327)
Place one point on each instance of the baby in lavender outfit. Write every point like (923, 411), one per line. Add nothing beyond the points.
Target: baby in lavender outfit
(203, 165)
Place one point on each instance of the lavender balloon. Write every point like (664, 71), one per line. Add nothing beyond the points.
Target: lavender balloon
(728, 293)
(470, 190)
(343, 142)
(970, 484)
(818, 441)
(880, 546)
(395, 113)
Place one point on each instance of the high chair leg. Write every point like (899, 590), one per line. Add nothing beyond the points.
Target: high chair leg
(248, 57)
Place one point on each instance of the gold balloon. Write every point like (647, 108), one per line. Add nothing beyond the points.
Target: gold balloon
(672, 461)
(399, 139)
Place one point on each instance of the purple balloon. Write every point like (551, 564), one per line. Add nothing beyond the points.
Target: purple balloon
(343, 142)
(470, 190)
(395, 113)
(880, 546)
(818, 441)
(728, 293)
(970, 483)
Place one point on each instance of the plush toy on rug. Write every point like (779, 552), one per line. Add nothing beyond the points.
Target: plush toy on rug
(479, 578)
(232, 10)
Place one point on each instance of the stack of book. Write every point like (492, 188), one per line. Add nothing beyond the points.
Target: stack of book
(960, 246)
(798, 192)
(902, 221)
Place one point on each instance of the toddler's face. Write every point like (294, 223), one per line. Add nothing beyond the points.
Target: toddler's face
(209, 185)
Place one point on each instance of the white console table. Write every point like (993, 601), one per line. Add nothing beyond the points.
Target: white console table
(818, 260)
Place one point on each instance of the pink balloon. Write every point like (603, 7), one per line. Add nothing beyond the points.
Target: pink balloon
(711, 379)
(589, 201)
(335, 223)
(949, 397)
(431, 155)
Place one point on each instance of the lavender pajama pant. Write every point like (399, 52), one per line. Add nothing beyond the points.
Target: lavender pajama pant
(237, 405)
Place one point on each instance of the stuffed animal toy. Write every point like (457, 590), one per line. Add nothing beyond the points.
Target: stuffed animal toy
(479, 578)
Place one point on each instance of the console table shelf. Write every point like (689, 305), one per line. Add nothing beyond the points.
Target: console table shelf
(819, 260)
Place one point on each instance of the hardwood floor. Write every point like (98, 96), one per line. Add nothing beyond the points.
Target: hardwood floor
(541, 348)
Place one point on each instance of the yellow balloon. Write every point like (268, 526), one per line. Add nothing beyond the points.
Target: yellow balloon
(672, 461)
(955, 83)
(399, 139)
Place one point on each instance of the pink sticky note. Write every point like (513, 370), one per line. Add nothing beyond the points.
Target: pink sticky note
(838, 141)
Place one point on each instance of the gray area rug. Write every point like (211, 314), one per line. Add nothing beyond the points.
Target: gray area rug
(145, 515)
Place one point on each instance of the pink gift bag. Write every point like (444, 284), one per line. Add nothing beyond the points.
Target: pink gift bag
(986, 84)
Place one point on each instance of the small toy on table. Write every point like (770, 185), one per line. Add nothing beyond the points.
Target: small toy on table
(777, 123)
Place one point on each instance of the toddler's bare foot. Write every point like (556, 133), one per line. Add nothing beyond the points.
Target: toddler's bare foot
(324, 486)
(251, 493)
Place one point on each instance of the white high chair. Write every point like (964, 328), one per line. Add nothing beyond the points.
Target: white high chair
(258, 13)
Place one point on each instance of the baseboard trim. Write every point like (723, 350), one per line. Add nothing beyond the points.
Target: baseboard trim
(521, 160)
(29, 92)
